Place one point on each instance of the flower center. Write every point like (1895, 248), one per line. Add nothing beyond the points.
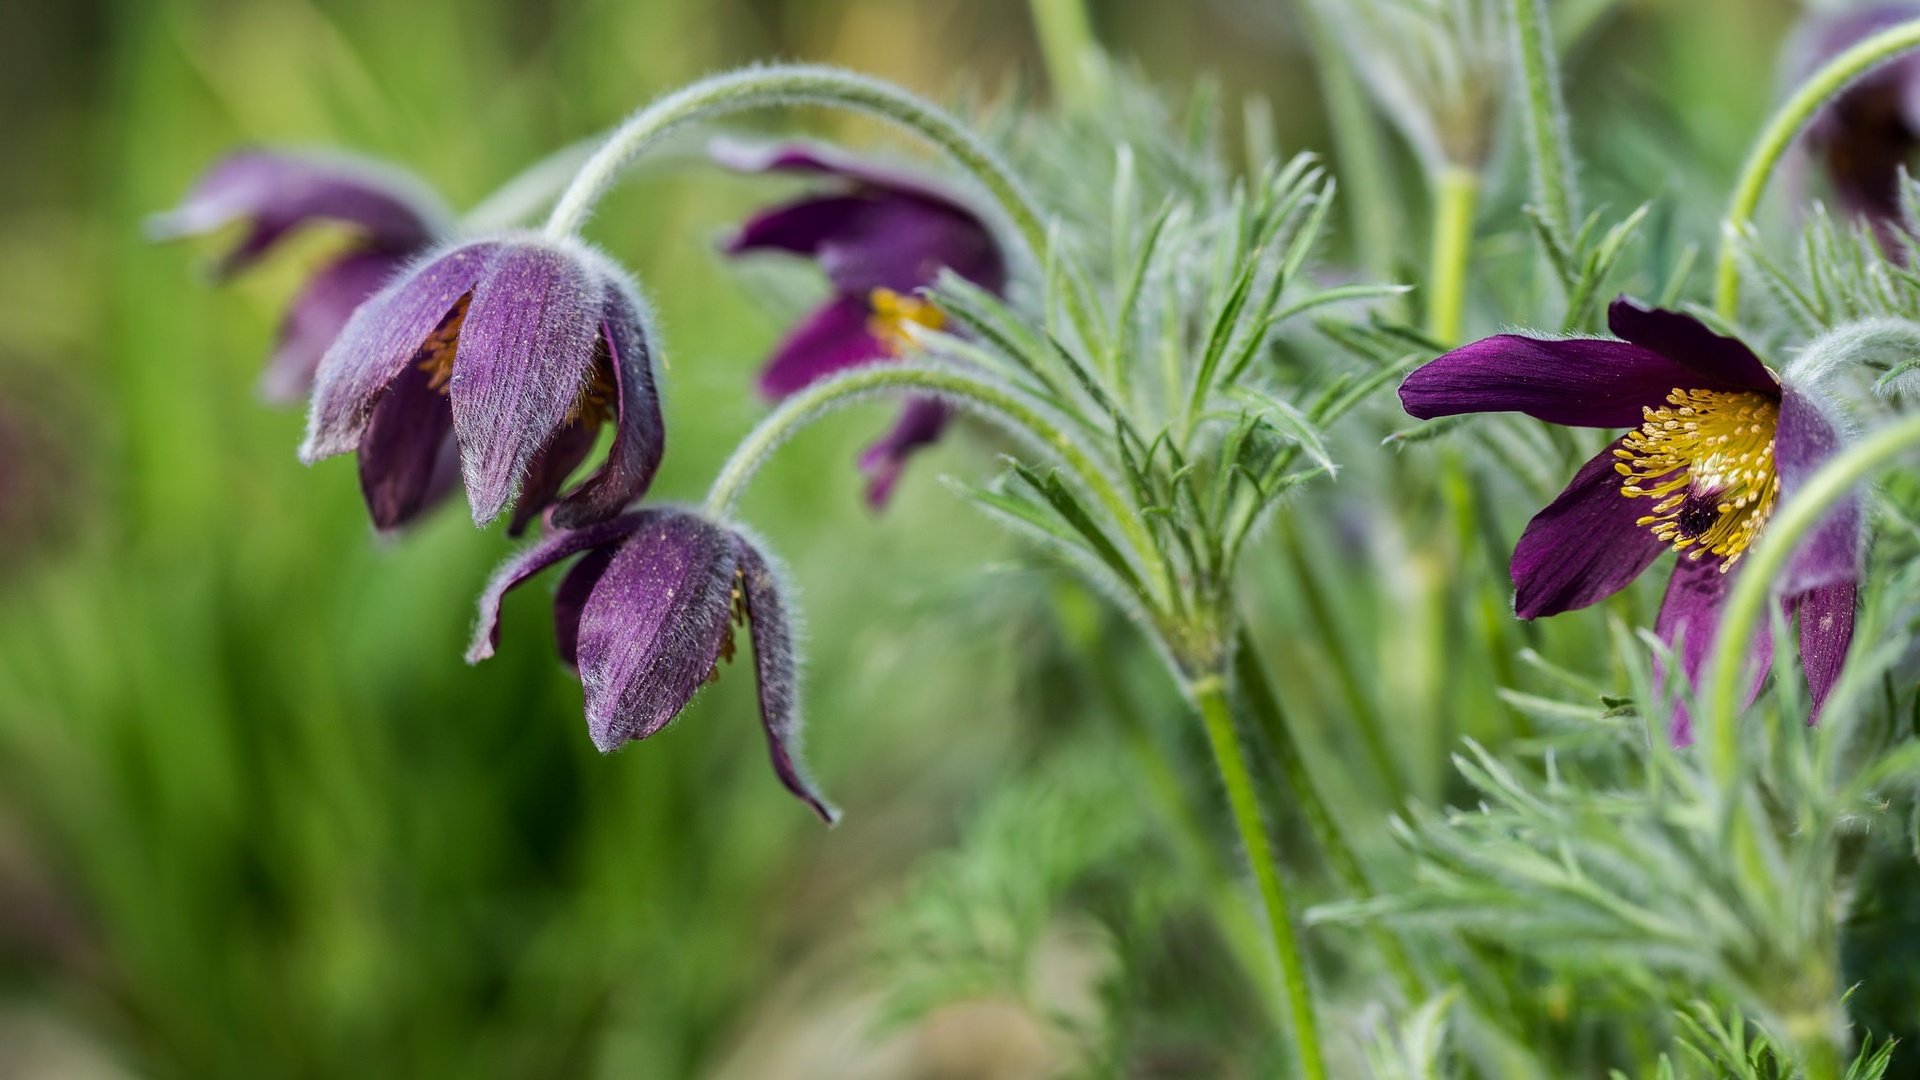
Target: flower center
(890, 313)
(736, 616)
(1706, 459)
(435, 355)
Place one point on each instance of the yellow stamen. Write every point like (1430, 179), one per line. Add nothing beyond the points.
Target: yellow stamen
(891, 312)
(435, 356)
(736, 616)
(1706, 459)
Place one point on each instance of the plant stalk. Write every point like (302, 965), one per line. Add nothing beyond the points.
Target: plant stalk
(1456, 191)
(1067, 44)
(1546, 115)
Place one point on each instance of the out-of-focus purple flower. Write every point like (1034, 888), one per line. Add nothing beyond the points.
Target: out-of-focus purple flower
(1863, 137)
(645, 615)
(880, 236)
(522, 347)
(392, 215)
(1715, 442)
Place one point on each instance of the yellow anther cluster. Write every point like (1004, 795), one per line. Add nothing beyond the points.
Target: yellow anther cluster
(1706, 457)
(435, 355)
(890, 313)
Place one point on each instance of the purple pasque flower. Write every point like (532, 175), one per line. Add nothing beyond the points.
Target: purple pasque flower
(276, 193)
(1714, 442)
(1866, 135)
(880, 236)
(645, 615)
(523, 347)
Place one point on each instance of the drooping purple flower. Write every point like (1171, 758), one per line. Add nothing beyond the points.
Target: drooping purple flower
(880, 236)
(523, 347)
(275, 194)
(646, 614)
(1863, 137)
(1715, 442)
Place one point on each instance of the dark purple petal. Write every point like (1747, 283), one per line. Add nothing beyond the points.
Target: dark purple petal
(1690, 615)
(525, 352)
(571, 598)
(902, 243)
(800, 226)
(316, 316)
(746, 157)
(639, 432)
(1805, 439)
(920, 424)
(1584, 546)
(834, 338)
(774, 666)
(400, 451)
(1826, 632)
(536, 557)
(277, 192)
(1718, 362)
(1580, 382)
(652, 629)
(1864, 136)
(382, 339)
(547, 471)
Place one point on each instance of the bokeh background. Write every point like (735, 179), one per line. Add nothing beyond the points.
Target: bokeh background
(256, 816)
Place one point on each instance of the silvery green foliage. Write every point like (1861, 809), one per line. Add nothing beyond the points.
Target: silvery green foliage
(1438, 68)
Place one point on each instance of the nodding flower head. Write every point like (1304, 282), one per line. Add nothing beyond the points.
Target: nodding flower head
(1714, 443)
(392, 216)
(1866, 135)
(522, 347)
(881, 237)
(647, 614)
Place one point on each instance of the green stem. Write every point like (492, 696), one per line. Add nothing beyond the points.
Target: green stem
(1209, 694)
(521, 197)
(1068, 44)
(986, 398)
(808, 84)
(1456, 190)
(1779, 134)
(1747, 604)
(1546, 115)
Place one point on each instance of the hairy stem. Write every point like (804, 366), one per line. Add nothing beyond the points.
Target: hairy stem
(1747, 604)
(535, 187)
(1209, 694)
(1546, 114)
(1779, 134)
(752, 88)
(983, 397)
(1456, 191)
(1066, 43)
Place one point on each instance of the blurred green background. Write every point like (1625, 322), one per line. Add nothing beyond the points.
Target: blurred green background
(257, 818)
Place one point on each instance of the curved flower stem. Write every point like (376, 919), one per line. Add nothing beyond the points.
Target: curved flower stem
(984, 397)
(1209, 694)
(1456, 190)
(513, 202)
(1779, 134)
(1747, 604)
(811, 84)
(1546, 114)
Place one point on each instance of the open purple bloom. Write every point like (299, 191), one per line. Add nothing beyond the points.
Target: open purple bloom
(392, 215)
(523, 348)
(645, 615)
(1866, 135)
(1715, 442)
(879, 236)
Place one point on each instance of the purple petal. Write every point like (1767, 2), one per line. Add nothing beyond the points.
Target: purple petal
(1718, 362)
(400, 452)
(536, 557)
(651, 631)
(525, 352)
(800, 226)
(1804, 440)
(639, 433)
(380, 341)
(1826, 632)
(920, 424)
(774, 668)
(903, 242)
(748, 157)
(834, 338)
(315, 318)
(1865, 135)
(1690, 615)
(548, 470)
(1580, 382)
(277, 192)
(1585, 546)
(571, 598)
